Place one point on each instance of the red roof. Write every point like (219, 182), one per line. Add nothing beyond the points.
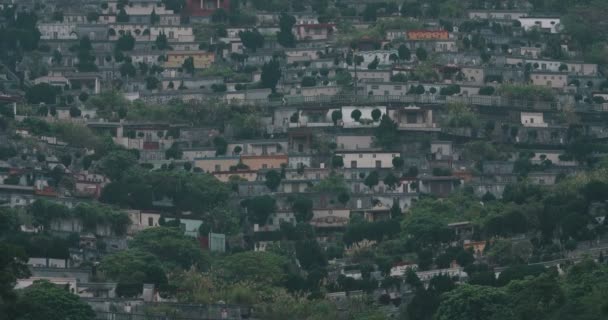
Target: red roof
(193, 7)
(316, 25)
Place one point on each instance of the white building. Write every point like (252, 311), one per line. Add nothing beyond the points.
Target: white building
(173, 33)
(571, 67)
(139, 7)
(400, 269)
(141, 220)
(496, 14)
(382, 55)
(57, 31)
(533, 119)
(367, 159)
(552, 25)
(366, 115)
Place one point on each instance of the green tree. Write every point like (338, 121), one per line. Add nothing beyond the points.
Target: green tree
(131, 269)
(188, 65)
(161, 42)
(333, 184)
(221, 145)
(154, 18)
(372, 179)
(220, 220)
(42, 93)
(174, 152)
(271, 73)
(260, 208)
(127, 69)
(536, 298)
(13, 262)
(337, 161)
(374, 64)
(302, 207)
(122, 16)
(391, 181)
(176, 5)
(126, 42)
(44, 300)
(421, 54)
(426, 229)
(86, 60)
(404, 53)
(487, 91)
(170, 246)
(152, 83)
(376, 114)
(273, 180)
(474, 302)
(285, 36)
(252, 39)
(356, 114)
(115, 163)
(386, 134)
(258, 267)
(336, 115)
(398, 163)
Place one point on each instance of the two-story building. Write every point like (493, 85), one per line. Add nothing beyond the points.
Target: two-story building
(367, 159)
(201, 59)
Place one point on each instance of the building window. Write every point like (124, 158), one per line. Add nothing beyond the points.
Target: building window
(353, 164)
(150, 222)
(378, 164)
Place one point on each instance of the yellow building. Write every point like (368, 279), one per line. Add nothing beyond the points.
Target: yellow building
(202, 59)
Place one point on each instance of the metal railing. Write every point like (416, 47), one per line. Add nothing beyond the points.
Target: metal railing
(302, 101)
(101, 315)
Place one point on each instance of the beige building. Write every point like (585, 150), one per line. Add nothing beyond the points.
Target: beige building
(216, 164)
(473, 75)
(330, 218)
(354, 142)
(141, 220)
(550, 79)
(202, 59)
(265, 162)
(225, 176)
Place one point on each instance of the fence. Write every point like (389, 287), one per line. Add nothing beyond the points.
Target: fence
(141, 316)
(302, 101)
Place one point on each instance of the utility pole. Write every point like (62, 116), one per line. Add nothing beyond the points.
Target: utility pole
(355, 63)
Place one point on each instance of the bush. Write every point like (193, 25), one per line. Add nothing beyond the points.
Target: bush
(487, 91)
(450, 90)
(526, 92)
(376, 114)
(399, 77)
(309, 81)
(218, 87)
